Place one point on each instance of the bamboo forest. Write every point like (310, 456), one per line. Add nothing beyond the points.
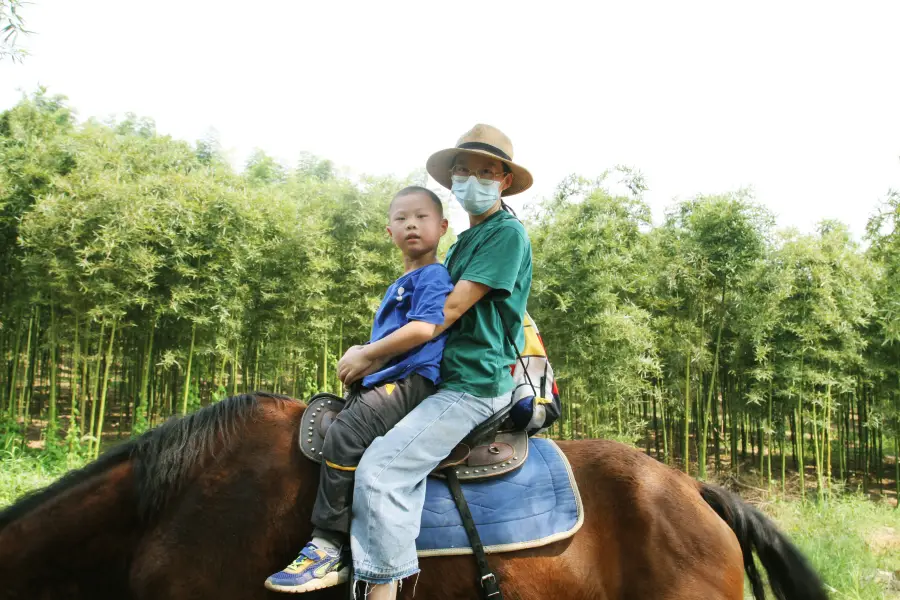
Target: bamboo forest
(143, 277)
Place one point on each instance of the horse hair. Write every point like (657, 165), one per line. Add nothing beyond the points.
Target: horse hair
(790, 575)
(163, 457)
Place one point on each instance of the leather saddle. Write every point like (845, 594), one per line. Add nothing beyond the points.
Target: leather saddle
(493, 448)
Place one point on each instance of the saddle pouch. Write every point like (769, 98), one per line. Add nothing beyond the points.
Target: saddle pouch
(318, 417)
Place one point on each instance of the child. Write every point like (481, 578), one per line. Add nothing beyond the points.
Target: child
(413, 307)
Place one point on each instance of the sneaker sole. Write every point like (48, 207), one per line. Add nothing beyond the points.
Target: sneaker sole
(330, 580)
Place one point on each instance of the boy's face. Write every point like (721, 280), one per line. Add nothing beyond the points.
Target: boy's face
(415, 224)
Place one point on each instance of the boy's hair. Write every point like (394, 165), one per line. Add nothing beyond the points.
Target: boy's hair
(418, 189)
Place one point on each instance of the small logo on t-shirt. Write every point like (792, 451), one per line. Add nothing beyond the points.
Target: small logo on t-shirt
(400, 291)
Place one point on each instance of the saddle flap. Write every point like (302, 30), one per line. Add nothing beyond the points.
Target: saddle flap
(457, 457)
(505, 454)
(490, 454)
(318, 417)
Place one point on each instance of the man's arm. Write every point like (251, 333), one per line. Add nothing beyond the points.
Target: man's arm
(462, 298)
(360, 361)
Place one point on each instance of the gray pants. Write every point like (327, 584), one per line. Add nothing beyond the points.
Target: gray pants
(368, 414)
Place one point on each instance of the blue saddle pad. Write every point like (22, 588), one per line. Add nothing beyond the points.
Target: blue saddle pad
(534, 505)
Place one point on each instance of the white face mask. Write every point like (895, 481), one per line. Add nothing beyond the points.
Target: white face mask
(475, 195)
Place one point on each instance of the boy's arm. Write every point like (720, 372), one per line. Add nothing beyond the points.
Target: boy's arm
(360, 361)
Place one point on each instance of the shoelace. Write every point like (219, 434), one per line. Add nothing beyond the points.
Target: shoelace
(304, 558)
(300, 562)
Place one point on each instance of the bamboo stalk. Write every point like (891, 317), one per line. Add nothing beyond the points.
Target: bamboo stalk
(5, 376)
(102, 409)
(256, 382)
(11, 408)
(826, 439)
(769, 427)
(84, 380)
(686, 456)
(141, 414)
(234, 369)
(820, 486)
(96, 395)
(76, 357)
(53, 364)
(187, 371)
(35, 363)
(783, 455)
(325, 364)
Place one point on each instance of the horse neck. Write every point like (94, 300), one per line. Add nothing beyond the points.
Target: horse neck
(68, 544)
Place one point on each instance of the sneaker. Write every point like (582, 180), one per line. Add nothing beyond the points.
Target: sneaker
(314, 569)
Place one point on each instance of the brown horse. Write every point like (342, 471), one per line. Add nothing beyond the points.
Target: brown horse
(209, 505)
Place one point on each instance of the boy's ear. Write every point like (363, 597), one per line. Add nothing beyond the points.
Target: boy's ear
(389, 232)
(444, 225)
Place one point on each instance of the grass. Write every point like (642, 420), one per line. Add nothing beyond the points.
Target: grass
(21, 473)
(852, 542)
(23, 469)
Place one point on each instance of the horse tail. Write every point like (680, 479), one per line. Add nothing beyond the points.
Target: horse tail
(790, 575)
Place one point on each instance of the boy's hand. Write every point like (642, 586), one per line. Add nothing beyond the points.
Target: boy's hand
(355, 365)
(360, 361)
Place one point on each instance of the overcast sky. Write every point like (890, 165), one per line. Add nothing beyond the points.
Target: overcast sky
(799, 100)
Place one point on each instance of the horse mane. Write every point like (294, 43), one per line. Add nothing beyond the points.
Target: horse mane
(163, 457)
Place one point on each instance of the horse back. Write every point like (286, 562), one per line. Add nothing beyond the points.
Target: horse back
(647, 528)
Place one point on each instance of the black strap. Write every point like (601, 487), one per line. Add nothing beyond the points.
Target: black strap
(512, 342)
(351, 587)
(486, 147)
(490, 589)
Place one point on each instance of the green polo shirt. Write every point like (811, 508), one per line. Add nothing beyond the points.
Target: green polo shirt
(477, 356)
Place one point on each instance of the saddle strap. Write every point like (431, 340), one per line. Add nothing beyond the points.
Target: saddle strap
(490, 589)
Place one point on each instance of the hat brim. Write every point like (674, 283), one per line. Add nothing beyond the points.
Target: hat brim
(440, 163)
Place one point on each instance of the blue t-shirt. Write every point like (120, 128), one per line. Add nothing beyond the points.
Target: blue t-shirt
(417, 296)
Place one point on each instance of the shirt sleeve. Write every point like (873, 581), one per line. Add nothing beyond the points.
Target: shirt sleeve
(431, 291)
(497, 261)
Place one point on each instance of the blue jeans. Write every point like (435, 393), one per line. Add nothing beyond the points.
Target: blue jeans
(390, 481)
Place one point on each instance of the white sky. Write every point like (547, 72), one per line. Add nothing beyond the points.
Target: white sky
(800, 100)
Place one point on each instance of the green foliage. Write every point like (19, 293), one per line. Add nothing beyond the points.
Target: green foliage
(23, 469)
(710, 332)
(112, 223)
(884, 234)
(11, 25)
(848, 541)
(589, 274)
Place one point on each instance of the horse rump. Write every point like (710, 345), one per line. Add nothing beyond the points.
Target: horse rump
(790, 575)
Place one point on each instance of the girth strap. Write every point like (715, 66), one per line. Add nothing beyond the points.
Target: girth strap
(490, 589)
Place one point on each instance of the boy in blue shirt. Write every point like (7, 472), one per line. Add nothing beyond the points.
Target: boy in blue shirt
(413, 307)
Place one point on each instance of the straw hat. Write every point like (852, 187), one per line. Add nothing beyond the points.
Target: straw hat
(481, 140)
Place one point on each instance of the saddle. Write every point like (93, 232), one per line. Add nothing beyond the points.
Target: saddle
(491, 449)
